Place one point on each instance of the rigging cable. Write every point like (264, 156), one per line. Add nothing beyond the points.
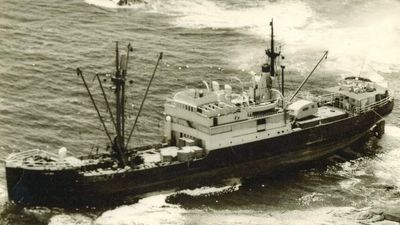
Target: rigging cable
(144, 98)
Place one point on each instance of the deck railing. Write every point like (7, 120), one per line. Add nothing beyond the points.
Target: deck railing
(366, 108)
(34, 152)
(36, 159)
(329, 100)
(326, 99)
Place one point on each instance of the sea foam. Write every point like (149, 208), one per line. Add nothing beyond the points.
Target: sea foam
(150, 210)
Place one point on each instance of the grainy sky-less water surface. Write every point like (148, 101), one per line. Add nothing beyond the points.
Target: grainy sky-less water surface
(43, 104)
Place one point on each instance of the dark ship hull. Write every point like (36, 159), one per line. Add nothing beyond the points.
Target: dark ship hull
(71, 187)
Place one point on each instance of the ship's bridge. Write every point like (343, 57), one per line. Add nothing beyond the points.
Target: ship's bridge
(216, 117)
(202, 105)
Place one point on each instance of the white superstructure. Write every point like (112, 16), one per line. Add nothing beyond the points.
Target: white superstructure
(217, 117)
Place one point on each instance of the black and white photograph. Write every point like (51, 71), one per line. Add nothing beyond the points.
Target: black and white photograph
(200, 112)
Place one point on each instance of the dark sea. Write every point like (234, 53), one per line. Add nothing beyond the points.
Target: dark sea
(44, 105)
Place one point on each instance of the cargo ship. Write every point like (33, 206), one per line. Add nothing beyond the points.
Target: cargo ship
(210, 133)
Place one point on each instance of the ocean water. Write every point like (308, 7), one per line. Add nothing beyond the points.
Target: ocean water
(44, 105)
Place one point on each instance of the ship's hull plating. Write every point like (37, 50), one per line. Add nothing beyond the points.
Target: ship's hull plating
(69, 187)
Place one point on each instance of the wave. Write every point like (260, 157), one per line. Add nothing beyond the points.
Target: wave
(365, 43)
(360, 41)
(3, 192)
(113, 4)
(378, 174)
(209, 191)
(200, 14)
(157, 209)
(322, 215)
(361, 37)
(66, 219)
(150, 210)
(386, 168)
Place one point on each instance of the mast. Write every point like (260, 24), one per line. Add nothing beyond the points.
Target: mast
(119, 146)
(119, 84)
(283, 80)
(272, 55)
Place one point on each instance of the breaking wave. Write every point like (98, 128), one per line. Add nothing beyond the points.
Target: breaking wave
(66, 219)
(199, 14)
(323, 215)
(378, 174)
(157, 209)
(365, 43)
(113, 4)
(150, 210)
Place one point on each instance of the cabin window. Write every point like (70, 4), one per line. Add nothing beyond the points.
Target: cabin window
(305, 108)
(215, 121)
(261, 121)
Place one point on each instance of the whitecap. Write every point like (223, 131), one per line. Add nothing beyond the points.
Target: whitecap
(210, 190)
(113, 4)
(324, 215)
(392, 131)
(199, 14)
(150, 210)
(74, 219)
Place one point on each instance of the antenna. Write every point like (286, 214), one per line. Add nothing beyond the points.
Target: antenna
(271, 54)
